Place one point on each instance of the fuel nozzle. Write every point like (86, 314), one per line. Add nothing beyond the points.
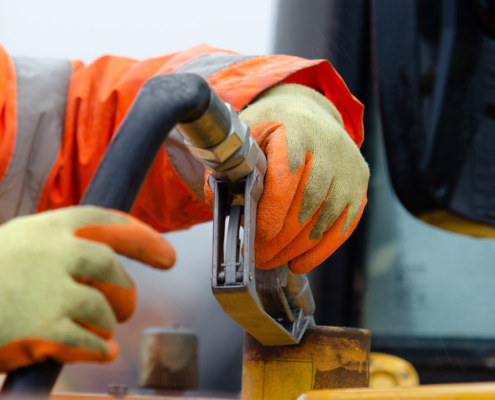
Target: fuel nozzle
(275, 306)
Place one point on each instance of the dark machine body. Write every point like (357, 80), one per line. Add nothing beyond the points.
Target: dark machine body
(435, 71)
(425, 71)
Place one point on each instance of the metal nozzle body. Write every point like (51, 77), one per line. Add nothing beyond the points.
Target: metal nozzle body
(222, 143)
(211, 128)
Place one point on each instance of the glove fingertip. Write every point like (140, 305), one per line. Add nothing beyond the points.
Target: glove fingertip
(133, 239)
(298, 267)
(113, 352)
(164, 257)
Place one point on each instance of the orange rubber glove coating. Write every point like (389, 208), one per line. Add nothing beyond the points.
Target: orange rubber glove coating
(126, 236)
(24, 352)
(315, 184)
(280, 238)
(134, 240)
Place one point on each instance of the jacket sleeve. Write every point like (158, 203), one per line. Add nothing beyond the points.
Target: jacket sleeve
(100, 94)
(7, 110)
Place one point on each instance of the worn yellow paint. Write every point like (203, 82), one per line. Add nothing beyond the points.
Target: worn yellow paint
(287, 379)
(350, 354)
(326, 357)
(253, 373)
(273, 380)
(464, 391)
(454, 223)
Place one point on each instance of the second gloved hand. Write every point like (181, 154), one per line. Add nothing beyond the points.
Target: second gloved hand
(61, 295)
(316, 180)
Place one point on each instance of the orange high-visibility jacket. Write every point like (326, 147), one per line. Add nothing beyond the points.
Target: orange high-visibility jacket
(58, 116)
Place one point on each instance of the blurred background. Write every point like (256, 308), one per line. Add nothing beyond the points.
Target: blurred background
(425, 294)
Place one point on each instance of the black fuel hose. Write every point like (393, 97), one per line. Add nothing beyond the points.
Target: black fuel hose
(162, 102)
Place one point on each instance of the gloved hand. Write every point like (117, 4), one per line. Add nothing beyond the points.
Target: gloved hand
(61, 294)
(316, 180)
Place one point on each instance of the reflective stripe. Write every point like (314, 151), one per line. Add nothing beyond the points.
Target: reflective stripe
(190, 170)
(209, 64)
(41, 97)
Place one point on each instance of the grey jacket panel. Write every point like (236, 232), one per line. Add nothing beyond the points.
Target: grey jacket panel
(42, 86)
(209, 64)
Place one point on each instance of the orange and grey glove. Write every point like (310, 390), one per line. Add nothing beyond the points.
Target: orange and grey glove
(316, 180)
(62, 288)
